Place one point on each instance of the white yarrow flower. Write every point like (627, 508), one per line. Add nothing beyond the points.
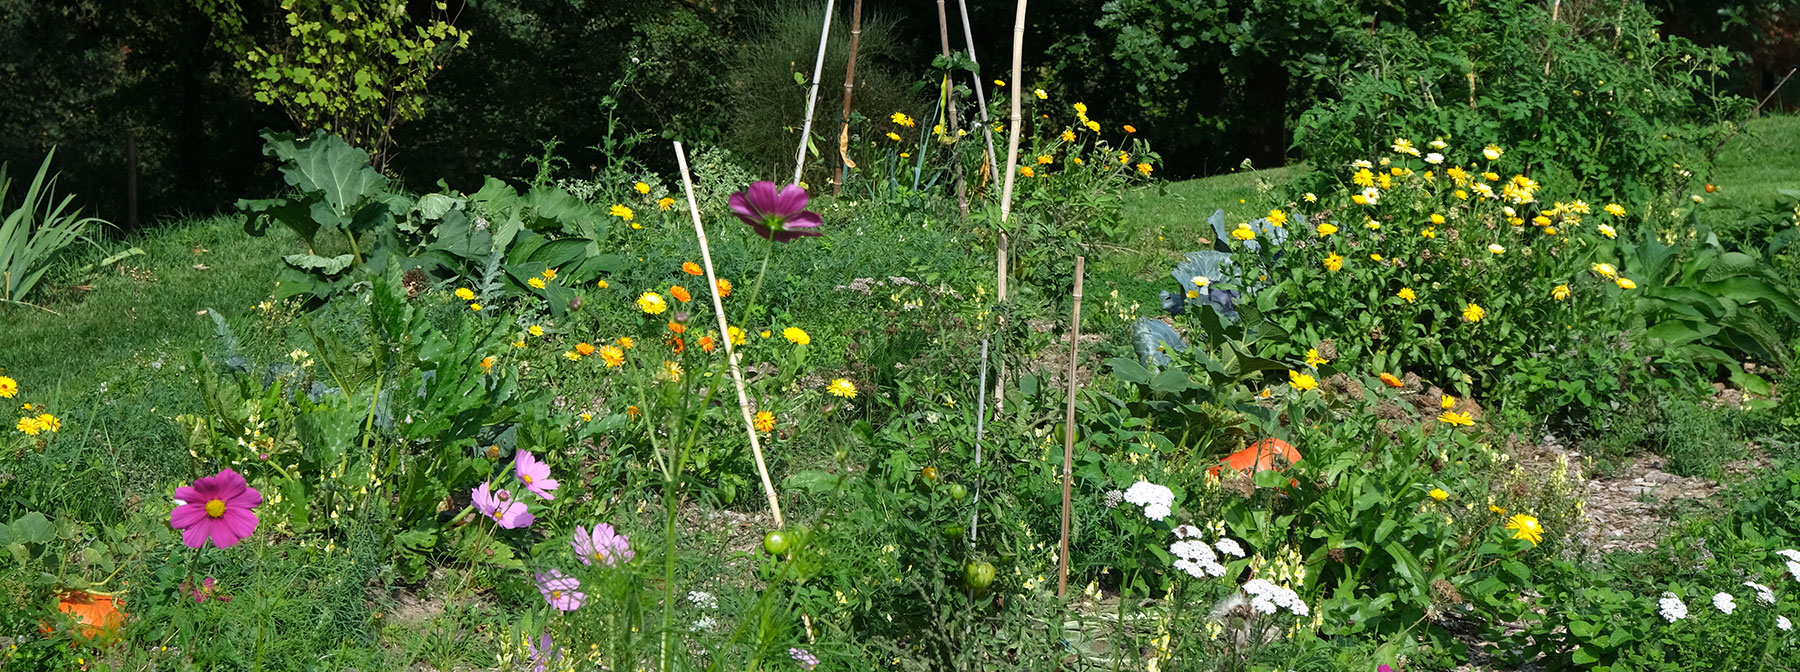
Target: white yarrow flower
(1158, 501)
(1186, 531)
(1267, 597)
(1230, 547)
(1724, 602)
(1762, 592)
(1783, 623)
(1672, 609)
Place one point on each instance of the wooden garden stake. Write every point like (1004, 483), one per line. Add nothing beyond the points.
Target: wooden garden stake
(1062, 562)
(849, 83)
(812, 99)
(1012, 132)
(949, 93)
(1012, 171)
(737, 373)
(975, 77)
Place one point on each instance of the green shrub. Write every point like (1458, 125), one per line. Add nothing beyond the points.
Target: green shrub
(1602, 101)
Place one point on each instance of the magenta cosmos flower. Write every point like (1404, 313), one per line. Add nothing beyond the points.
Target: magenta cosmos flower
(216, 508)
(779, 215)
(603, 546)
(562, 592)
(535, 475)
(506, 511)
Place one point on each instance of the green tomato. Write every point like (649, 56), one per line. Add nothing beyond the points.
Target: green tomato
(953, 531)
(958, 492)
(775, 543)
(979, 575)
(1062, 433)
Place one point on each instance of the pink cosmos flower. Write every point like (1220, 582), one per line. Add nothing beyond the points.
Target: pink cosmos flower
(603, 546)
(206, 590)
(542, 652)
(562, 592)
(215, 508)
(501, 507)
(535, 475)
(779, 215)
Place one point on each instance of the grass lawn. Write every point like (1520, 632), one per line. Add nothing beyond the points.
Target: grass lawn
(145, 308)
(1753, 167)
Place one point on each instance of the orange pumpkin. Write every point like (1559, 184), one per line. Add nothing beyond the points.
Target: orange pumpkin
(97, 613)
(1260, 456)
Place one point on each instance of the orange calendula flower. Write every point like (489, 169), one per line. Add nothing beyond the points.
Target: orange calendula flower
(707, 344)
(584, 348)
(691, 268)
(680, 293)
(1130, 129)
(676, 344)
(632, 411)
(1391, 380)
(724, 287)
(487, 363)
(765, 421)
(626, 342)
(677, 327)
(612, 355)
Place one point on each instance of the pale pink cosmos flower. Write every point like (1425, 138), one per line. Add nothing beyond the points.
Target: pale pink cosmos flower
(216, 508)
(562, 592)
(535, 475)
(603, 545)
(501, 508)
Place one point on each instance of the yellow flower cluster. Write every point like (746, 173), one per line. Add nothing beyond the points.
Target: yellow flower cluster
(30, 424)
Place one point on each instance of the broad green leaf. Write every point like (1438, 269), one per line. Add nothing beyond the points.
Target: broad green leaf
(32, 528)
(313, 262)
(1129, 371)
(326, 164)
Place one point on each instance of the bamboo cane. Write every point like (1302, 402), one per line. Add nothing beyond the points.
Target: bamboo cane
(1012, 171)
(849, 83)
(1062, 562)
(737, 373)
(975, 77)
(949, 94)
(1012, 132)
(812, 96)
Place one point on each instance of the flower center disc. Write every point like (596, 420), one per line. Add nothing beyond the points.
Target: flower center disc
(215, 508)
(527, 479)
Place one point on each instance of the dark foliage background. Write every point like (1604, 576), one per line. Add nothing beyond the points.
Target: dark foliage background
(1208, 82)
